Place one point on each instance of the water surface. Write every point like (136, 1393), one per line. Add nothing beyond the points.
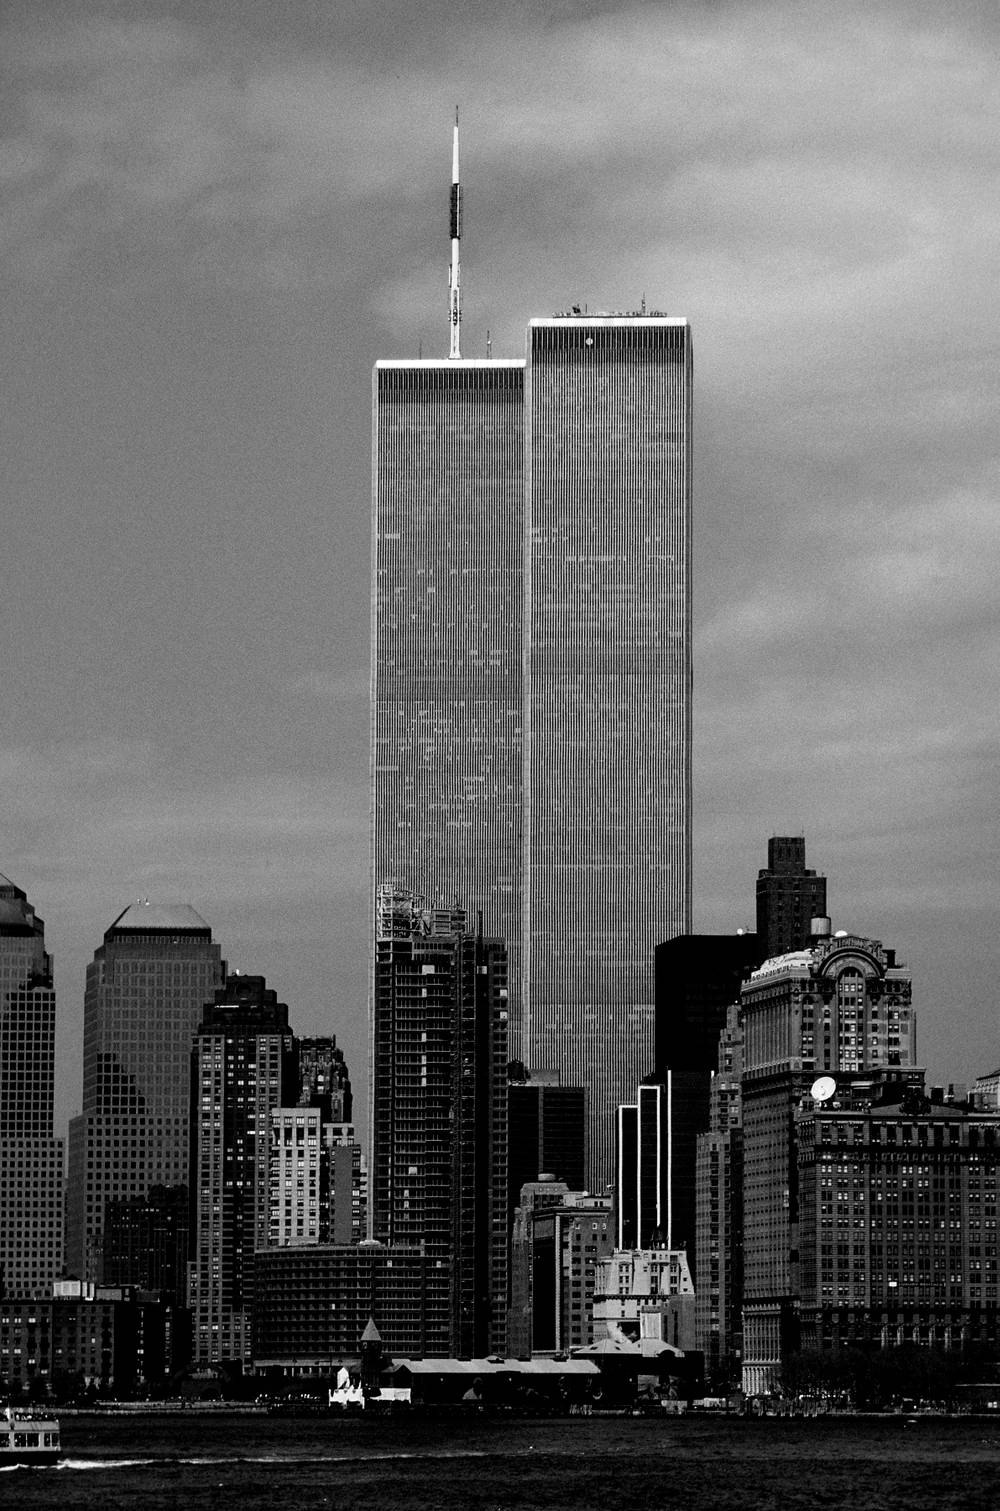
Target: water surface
(249, 1463)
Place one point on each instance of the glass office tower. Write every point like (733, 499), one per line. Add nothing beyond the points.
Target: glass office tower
(531, 688)
(146, 987)
(607, 694)
(31, 1157)
(446, 636)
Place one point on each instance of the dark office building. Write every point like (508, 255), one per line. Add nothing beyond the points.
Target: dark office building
(31, 1157)
(559, 1239)
(439, 1113)
(546, 1135)
(655, 1161)
(718, 1272)
(788, 897)
(324, 1079)
(243, 1067)
(146, 1241)
(146, 987)
(315, 1302)
(114, 1338)
(698, 976)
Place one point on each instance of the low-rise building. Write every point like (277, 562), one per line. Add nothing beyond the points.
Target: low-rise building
(556, 1249)
(645, 1293)
(105, 1337)
(315, 1301)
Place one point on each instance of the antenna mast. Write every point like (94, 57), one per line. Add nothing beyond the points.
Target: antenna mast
(455, 309)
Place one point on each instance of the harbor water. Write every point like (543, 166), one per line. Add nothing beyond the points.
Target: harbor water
(217, 1462)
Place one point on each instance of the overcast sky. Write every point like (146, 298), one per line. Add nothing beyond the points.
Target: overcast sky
(216, 215)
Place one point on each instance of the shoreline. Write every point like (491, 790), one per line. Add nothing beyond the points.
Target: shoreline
(213, 1409)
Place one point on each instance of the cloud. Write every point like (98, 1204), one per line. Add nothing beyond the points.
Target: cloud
(912, 571)
(149, 132)
(863, 139)
(107, 814)
(813, 186)
(334, 686)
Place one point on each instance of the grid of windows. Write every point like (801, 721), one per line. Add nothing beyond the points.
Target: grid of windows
(607, 699)
(446, 640)
(532, 668)
(145, 991)
(899, 1223)
(31, 1158)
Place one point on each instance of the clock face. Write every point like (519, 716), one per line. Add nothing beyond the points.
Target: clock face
(823, 1088)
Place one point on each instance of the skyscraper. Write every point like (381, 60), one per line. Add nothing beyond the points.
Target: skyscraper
(531, 673)
(145, 991)
(546, 1134)
(718, 1271)
(324, 1079)
(842, 1007)
(31, 1158)
(788, 897)
(242, 1067)
(607, 784)
(447, 594)
(698, 978)
(439, 1114)
(655, 1163)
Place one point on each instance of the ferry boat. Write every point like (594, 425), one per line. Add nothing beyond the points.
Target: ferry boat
(26, 1440)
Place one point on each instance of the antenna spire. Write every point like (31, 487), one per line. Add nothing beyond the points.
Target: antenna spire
(454, 275)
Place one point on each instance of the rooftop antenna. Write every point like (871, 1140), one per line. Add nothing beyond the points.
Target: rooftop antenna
(455, 310)
(489, 345)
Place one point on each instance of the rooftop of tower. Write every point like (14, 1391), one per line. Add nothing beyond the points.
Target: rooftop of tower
(170, 917)
(17, 916)
(576, 313)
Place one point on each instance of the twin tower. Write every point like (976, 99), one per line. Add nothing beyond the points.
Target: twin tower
(531, 697)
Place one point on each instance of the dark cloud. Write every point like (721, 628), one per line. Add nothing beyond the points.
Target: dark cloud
(215, 217)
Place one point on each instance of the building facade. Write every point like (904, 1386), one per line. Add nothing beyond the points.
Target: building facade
(788, 897)
(447, 686)
(324, 1079)
(439, 1113)
(532, 672)
(655, 1161)
(607, 739)
(898, 1215)
(100, 1337)
(146, 1242)
(559, 1245)
(314, 1304)
(546, 1135)
(842, 1006)
(718, 1273)
(635, 1286)
(534, 1196)
(145, 991)
(243, 1066)
(318, 1180)
(698, 978)
(31, 1157)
